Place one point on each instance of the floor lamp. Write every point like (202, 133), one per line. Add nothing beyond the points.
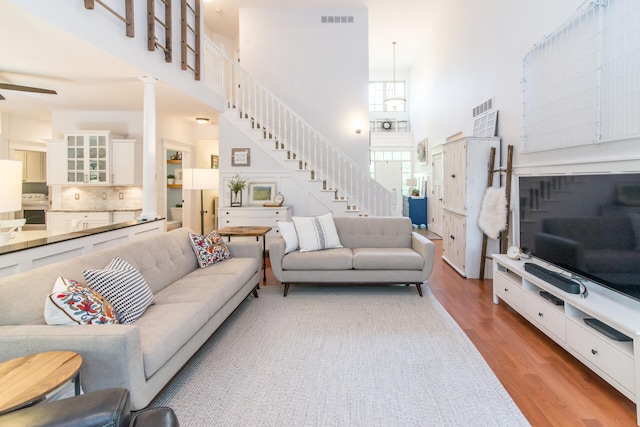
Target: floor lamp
(201, 179)
(10, 192)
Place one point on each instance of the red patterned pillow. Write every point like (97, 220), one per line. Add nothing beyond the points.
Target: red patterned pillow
(210, 249)
(72, 303)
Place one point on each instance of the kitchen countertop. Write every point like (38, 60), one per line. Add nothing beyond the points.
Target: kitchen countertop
(95, 210)
(33, 238)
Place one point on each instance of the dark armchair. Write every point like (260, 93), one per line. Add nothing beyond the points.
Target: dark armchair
(108, 407)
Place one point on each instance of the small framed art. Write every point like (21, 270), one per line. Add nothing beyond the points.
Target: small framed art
(261, 192)
(240, 157)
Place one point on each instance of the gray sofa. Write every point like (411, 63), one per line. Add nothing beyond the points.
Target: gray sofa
(376, 250)
(190, 303)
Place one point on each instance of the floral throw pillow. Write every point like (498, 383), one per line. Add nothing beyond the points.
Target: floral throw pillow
(209, 249)
(72, 303)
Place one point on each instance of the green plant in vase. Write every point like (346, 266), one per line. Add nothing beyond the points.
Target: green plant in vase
(236, 184)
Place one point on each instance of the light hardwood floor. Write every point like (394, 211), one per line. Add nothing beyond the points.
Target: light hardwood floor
(550, 386)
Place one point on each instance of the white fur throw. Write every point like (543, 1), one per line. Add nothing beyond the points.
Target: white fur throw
(493, 214)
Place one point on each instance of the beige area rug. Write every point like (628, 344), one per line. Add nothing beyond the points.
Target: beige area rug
(340, 356)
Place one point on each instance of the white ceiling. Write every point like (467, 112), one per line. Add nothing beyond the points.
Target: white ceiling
(35, 53)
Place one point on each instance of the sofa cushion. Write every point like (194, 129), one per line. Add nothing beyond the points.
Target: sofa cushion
(387, 259)
(72, 303)
(213, 291)
(316, 233)
(209, 249)
(124, 287)
(374, 232)
(165, 328)
(331, 259)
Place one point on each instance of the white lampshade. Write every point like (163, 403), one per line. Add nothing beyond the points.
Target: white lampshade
(412, 182)
(11, 187)
(200, 179)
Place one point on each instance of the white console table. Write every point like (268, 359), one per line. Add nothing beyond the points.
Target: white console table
(255, 215)
(617, 362)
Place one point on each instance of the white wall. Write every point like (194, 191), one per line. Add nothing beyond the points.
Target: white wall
(319, 70)
(474, 51)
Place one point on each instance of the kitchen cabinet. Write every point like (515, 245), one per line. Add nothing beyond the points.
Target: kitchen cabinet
(125, 216)
(126, 158)
(67, 222)
(94, 158)
(34, 165)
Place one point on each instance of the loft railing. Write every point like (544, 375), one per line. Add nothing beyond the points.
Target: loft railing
(157, 27)
(190, 36)
(127, 18)
(288, 131)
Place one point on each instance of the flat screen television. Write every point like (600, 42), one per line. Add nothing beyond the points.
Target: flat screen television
(586, 224)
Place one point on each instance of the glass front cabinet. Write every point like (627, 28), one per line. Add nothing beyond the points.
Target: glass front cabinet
(87, 158)
(94, 158)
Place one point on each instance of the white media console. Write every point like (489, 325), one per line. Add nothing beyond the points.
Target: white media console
(617, 362)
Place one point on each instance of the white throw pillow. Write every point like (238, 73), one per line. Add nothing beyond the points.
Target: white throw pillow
(290, 236)
(316, 233)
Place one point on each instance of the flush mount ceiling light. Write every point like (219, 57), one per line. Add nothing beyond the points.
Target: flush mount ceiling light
(202, 120)
(394, 102)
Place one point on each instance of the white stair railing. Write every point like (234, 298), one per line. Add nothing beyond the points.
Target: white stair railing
(277, 122)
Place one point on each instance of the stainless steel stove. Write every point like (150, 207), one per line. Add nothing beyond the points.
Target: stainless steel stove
(34, 210)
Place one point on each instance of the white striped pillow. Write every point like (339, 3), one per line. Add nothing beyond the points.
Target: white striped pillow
(124, 287)
(316, 233)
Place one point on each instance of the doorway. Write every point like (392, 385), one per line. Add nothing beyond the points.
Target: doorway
(389, 174)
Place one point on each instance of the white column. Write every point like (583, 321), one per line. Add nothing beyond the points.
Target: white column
(149, 194)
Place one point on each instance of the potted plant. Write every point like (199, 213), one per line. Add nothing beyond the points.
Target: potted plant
(236, 184)
(415, 192)
(171, 179)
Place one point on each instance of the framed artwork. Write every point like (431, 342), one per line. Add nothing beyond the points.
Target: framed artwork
(240, 157)
(261, 192)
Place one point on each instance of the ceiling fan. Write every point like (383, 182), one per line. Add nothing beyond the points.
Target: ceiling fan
(8, 86)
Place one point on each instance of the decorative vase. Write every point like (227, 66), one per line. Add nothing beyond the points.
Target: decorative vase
(236, 199)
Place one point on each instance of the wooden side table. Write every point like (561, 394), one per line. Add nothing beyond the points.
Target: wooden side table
(250, 231)
(26, 380)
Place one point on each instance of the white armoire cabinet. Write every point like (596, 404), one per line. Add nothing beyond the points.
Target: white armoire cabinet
(465, 170)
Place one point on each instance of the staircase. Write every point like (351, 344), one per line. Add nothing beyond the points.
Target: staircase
(312, 161)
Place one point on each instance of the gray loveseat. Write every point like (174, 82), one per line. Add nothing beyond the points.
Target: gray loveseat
(190, 303)
(376, 250)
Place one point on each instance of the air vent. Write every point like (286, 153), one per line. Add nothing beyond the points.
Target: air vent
(336, 19)
(484, 107)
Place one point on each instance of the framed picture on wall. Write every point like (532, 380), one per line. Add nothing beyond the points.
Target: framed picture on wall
(261, 192)
(240, 157)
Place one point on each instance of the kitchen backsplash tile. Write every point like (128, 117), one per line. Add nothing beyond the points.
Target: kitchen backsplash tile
(100, 198)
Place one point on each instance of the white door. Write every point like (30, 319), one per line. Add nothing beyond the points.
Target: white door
(389, 174)
(435, 201)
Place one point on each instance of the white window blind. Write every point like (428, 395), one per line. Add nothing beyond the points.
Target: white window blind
(581, 84)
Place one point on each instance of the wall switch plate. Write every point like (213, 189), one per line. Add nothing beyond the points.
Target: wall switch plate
(120, 196)
(104, 196)
(77, 196)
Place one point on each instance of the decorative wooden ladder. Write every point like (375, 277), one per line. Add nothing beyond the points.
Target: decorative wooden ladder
(504, 236)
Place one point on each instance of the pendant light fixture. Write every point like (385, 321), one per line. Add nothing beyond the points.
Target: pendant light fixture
(394, 102)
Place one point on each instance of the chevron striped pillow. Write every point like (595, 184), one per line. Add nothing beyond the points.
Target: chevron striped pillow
(124, 287)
